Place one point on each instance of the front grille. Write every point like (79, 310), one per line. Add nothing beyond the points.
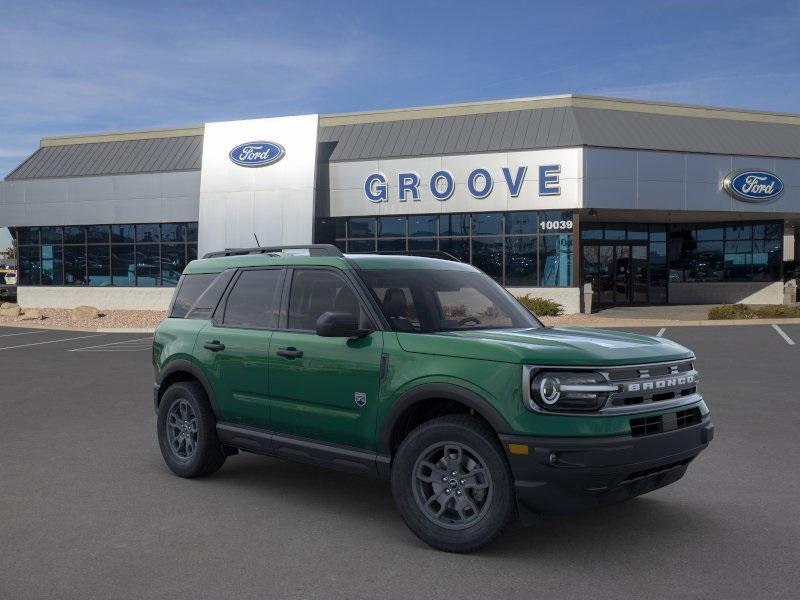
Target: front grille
(669, 422)
(647, 384)
(633, 373)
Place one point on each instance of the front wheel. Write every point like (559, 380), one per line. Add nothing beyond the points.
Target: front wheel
(187, 433)
(452, 484)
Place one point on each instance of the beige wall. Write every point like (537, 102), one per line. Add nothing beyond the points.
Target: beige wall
(569, 298)
(104, 298)
(726, 292)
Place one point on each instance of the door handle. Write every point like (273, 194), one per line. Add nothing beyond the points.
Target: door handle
(214, 346)
(290, 352)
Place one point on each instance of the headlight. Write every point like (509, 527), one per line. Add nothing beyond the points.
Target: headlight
(569, 390)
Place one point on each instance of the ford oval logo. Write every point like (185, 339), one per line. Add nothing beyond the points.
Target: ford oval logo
(753, 186)
(257, 154)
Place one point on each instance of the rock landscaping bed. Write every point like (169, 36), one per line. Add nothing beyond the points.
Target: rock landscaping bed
(82, 317)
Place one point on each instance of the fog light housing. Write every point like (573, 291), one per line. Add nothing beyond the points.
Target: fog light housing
(570, 390)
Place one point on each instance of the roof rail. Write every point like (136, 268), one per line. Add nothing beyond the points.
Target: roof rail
(313, 250)
(424, 253)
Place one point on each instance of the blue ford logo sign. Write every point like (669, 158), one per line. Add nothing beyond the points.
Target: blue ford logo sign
(753, 186)
(257, 154)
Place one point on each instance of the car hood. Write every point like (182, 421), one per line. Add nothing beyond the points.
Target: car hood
(547, 346)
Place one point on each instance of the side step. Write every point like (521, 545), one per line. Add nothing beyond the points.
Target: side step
(330, 456)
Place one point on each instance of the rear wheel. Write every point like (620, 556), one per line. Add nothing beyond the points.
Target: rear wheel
(187, 433)
(452, 484)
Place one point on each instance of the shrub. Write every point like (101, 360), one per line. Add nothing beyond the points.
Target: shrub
(780, 311)
(731, 311)
(748, 311)
(541, 307)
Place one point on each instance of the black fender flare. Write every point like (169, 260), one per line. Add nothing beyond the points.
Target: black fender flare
(445, 391)
(180, 365)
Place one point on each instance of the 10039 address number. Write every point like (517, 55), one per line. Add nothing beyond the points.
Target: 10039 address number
(556, 225)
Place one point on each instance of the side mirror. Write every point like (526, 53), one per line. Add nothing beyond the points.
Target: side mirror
(339, 324)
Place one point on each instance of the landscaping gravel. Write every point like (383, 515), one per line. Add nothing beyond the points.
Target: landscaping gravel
(58, 318)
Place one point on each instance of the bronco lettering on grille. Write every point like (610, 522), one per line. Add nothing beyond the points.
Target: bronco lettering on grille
(660, 384)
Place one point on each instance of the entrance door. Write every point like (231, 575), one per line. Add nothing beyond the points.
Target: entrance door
(618, 272)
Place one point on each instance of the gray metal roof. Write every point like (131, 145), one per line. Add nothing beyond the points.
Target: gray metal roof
(488, 132)
(524, 124)
(560, 127)
(182, 153)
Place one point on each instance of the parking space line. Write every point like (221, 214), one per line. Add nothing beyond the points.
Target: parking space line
(782, 333)
(661, 332)
(134, 345)
(24, 333)
(82, 337)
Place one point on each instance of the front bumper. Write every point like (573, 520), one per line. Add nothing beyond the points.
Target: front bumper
(567, 475)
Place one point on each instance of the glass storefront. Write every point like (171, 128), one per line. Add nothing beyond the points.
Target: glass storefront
(633, 263)
(143, 255)
(517, 249)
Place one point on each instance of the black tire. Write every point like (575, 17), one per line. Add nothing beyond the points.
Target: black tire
(421, 491)
(206, 455)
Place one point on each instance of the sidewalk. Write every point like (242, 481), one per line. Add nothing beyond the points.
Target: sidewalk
(655, 316)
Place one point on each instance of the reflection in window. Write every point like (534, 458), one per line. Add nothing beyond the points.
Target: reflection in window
(52, 265)
(521, 264)
(173, 261)
(422, 226)
(508, 246)
(396, 245)
(122, 234)
(75, 265)
(173, 232)
(74, 235)
(99, 264)
(362, 227)
(732, 252)
(392, 227)
(123, 265)
(148, 233)
(456, 247)
(148, 262)
(487, 255)
(51, 235)
(29, 264)
(487, 224)
(97, 234)
(104, 255)
(555, 260)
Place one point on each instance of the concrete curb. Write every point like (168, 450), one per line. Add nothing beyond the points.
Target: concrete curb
(671, 323)
(43, 325)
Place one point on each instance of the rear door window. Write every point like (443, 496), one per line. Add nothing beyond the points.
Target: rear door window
(254, 301)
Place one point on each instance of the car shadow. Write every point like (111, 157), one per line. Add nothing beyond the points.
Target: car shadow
(632, 525)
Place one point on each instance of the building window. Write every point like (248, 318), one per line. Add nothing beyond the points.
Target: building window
(144, 254)
(517, 249)
(726, 252)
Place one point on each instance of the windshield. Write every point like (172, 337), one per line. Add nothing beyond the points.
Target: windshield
(428, 301)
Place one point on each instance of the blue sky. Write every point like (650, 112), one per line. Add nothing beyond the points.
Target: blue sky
(74, 67)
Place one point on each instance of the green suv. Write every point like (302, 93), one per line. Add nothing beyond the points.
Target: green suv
(423, 371)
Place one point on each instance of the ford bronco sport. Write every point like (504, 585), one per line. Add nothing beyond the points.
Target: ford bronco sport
(420, 370)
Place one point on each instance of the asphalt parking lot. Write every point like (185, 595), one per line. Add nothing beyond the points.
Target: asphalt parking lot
(88, 509)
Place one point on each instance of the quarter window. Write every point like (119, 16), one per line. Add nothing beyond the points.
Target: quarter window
(189, 291)
(254, 300)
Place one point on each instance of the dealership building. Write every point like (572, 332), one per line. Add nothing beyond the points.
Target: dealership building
(650, 203)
